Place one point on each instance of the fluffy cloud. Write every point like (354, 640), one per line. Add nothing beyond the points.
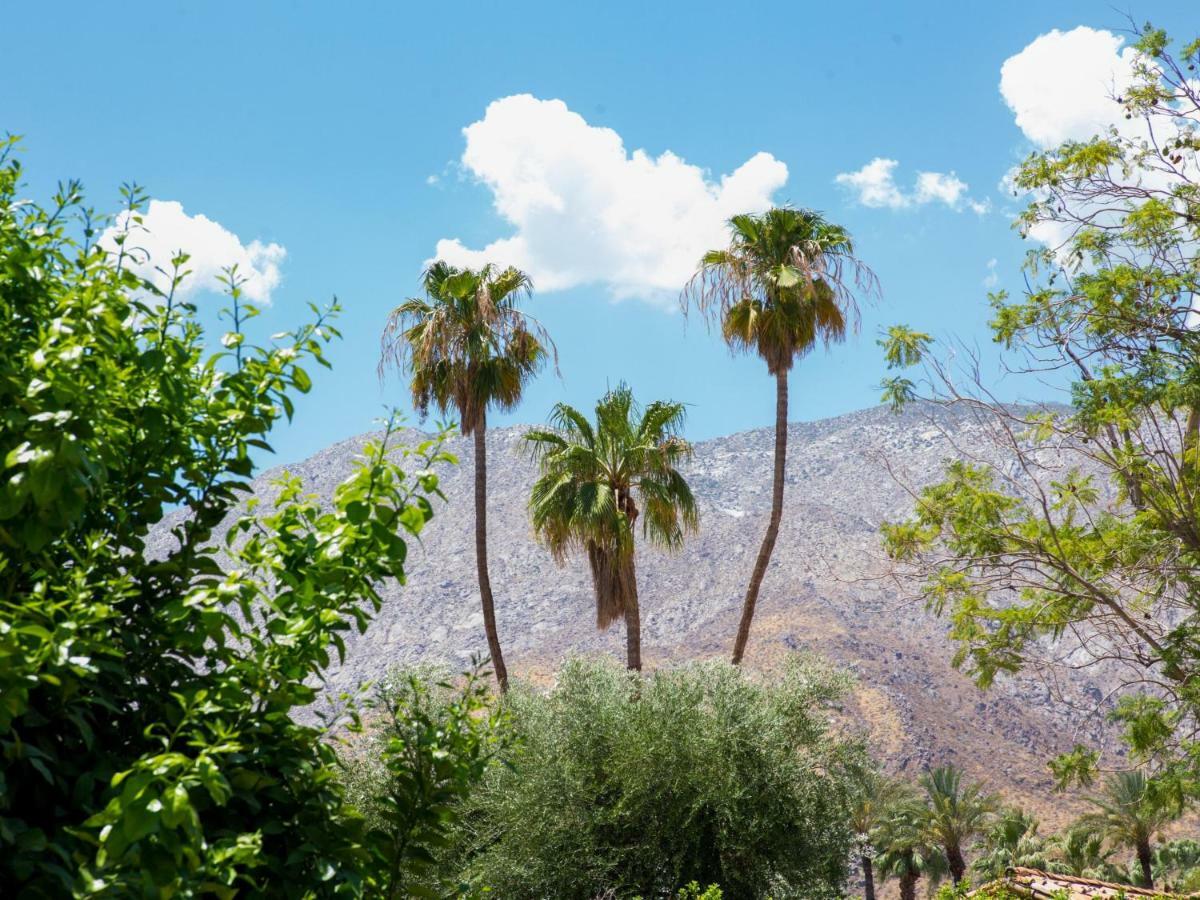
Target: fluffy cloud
(875, 185)
(166, 228)
(1062, 85)
(992, 278)
(586, 211)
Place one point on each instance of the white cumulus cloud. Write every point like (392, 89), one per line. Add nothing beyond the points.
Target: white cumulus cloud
(992, 278)
(1063, 85)
(166, 229)
(875, 185)
(585, 210)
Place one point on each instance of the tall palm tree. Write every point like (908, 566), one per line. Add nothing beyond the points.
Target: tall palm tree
(1129, 812)
(597, 480)
(879, 795)
(955, 814)
(786, 282)
(467, 347)
(906, 851)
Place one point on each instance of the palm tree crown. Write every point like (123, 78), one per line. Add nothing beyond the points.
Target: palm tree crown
(1130, 811)
(906, 849)
(786, 281)
(1080, 851)
(466, 343)
(956, 813)
(1012, 840)
(879, 796)
(597, 480)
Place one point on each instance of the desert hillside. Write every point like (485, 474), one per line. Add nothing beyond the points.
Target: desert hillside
(824, 591)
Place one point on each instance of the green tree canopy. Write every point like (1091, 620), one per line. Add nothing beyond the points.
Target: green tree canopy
(147, 736)
(1082, 529)
(626, 785)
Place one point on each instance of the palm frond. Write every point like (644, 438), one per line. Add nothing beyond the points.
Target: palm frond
(788, 280)
(465, 345)
(596, 479)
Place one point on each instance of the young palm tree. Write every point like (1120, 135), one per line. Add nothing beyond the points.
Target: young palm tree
(1080, 851)
(955, 814)
(597, 480)
(879, 795)
(468, 347)
(786, 282)
(905, 849)
(1012, 840)
(1130, 811)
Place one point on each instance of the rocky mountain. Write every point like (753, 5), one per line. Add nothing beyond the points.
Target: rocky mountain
(825, 591)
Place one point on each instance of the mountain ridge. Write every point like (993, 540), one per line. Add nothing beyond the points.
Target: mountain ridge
(826, 591)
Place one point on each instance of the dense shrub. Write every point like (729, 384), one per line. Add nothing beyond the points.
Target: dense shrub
(430, 743)
(621, 785)
(147, 746)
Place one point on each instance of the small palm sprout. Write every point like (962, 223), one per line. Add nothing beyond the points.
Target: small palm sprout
(596, 480)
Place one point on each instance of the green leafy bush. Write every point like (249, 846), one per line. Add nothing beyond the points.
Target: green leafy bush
(620, 785)
(146, 735)
(431, 743)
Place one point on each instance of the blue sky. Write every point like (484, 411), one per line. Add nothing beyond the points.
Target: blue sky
(337, 133)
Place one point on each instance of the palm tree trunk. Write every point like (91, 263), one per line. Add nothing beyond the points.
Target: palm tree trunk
(768, 544)
(908, 886)
(633, 624)
(1144, 859)
(868, 870)
(958, 865)
(481, 560)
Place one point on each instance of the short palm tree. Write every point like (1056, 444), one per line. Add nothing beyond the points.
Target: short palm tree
(597, 480)
(1012, 840)
(1080, 851)
(905, 850)
(467, 347)
(955, 814)
(879, 795)
(1129, 812)
(786, 282)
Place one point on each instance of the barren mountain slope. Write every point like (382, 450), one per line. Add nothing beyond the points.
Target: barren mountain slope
(822, 592)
